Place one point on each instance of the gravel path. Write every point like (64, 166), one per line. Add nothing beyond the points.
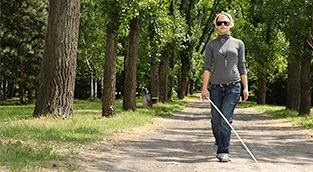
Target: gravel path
(185, 143)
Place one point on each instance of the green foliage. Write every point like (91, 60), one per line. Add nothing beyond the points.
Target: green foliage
(265, 27)
(91, 47)
(22, 33)
(261, 28)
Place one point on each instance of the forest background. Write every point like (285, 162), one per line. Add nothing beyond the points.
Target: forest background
(160, 44)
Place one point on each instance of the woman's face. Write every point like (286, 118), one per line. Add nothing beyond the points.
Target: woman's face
(223, 25)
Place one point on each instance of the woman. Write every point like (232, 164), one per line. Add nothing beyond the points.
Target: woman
(228, 55)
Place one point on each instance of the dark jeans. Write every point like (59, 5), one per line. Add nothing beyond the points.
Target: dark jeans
(226, 99)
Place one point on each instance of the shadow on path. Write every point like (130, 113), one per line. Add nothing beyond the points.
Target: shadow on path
(185, 143)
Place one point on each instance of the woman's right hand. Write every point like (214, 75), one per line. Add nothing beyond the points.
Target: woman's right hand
(205, 93)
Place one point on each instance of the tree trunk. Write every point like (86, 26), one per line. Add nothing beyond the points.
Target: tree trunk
(22, 88)
(182, 83)
(108, 101)
(183, 71)
(96, 88)
(293, 86)
(102, 84)
(163, 75)
(92, 94)
(171, 74)
(30, 96)
(154, 77)
(126, 40)
(129, 100)
(261, 91)
(1, 86)
(187, 88)
(262, 75)
(11, 89)
(294, 66)
(185, 57)
(305, 80)
(191, 87)
(5, 88)
(58, 67)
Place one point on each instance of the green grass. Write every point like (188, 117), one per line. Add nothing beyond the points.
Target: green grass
(281, 113)
(28, 143)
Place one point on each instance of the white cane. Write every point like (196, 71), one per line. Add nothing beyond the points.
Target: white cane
(232, 129)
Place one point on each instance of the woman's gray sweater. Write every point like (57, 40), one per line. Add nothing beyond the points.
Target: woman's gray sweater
(228, 56)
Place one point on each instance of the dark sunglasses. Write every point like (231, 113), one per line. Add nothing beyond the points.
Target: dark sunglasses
(219, 23)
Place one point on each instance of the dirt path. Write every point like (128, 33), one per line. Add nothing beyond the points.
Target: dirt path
(184, 142)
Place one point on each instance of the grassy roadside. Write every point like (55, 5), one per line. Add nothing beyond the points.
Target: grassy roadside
(281, 113)
(46, 143)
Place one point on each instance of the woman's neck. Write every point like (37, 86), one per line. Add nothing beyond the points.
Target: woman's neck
(224, 34)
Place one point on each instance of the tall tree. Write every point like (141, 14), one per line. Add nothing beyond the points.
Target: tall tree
(299, 89)
(305, 82)
(265, 57)
(129, 100)
(184, 54)
(58, 67)
(305, 79)
(108, 97)
(163, 74)
(294, 64)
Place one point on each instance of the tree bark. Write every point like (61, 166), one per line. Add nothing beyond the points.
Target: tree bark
(163, 75)
(187, 88)
(58, 68)
(154, 77)
(1, 85)
(305, 80)
(96, 88)
(22, 88)
(293, 85)
(108, 101)
(171, 75)
(294, 65)
(92, 94)
(129, 100)
(182, 82)
(191, 87)
(30, 96)
(5, 88)
(261, 91)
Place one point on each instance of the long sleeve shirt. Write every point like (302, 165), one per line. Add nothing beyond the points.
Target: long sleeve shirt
(227, 56)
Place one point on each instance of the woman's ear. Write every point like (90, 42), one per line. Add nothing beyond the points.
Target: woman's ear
(231, 25)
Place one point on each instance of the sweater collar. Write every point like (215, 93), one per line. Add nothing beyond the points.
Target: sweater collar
(223, 38)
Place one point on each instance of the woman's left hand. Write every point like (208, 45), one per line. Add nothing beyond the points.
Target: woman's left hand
(245, 95)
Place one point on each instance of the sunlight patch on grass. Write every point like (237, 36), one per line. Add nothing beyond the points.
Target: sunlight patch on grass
(27, 139)
(281, 113)
(15, 153)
